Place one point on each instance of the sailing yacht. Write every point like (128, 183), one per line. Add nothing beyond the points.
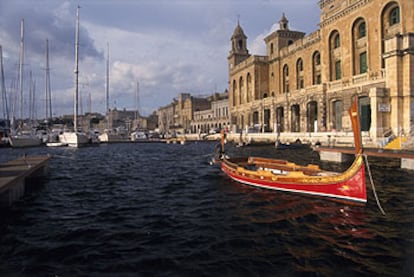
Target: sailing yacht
(75, 138)
(116, 135)
(24, 136)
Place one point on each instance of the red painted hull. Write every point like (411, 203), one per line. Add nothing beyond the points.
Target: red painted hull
(348, 186)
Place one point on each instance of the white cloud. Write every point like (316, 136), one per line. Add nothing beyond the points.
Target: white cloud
(169, 47)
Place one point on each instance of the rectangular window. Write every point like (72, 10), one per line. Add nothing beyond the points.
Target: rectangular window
(318, 79)
(363, 68)
(337, 70)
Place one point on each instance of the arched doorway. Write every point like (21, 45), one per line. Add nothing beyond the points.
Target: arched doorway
(337, 108)
(365, 113)
(266, 115)
(295, 118)
(280, 119)
(312, 116)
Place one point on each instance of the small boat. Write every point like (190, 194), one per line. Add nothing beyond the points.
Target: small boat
(348, 186)
(291, 145)
(55, 144)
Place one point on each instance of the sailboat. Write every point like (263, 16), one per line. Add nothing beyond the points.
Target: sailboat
(348, 186)
(75, 138)
(138, 135)
(22, 136)
(119, 134)
(5, 129)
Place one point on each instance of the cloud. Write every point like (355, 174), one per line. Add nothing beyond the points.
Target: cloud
(168, 47)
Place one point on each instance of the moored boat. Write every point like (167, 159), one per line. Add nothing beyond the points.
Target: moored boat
(286, 176)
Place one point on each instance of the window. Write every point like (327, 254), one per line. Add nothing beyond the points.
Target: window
(395, 16)
(337, 70)
(271, 48)
(316, 70)
(337, 41)
(317, 59)
(318, 79)
(240, 44)
(299, 74)
(286, 78)
(286, 70)
(301, 83)
(300, 65)
(362, 30)
(363, 62)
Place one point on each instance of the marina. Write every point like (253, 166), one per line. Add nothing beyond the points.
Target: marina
(161, 209)
(296, 158)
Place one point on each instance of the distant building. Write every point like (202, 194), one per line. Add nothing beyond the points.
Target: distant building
(305, 83)
(214, 118)
(190, 114)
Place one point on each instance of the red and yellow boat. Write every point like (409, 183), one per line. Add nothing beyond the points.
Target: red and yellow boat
(286, 176)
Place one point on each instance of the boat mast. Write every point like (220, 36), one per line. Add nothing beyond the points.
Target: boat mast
(76, 71)
(48, 93)
(137, 105)
(21, 60)
(107, 88)
(3, 90)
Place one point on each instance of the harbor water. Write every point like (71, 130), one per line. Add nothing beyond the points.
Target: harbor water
(163, 210)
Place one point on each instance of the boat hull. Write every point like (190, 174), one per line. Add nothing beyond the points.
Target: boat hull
(73, 139)
(108, 138)
(347, 186)
(20, 141)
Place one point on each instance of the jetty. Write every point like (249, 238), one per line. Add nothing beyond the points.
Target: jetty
(17, 175)
(343, 154)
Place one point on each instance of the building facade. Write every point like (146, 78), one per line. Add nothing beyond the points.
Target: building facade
(305, 83)
(215, 118)
(190, 114)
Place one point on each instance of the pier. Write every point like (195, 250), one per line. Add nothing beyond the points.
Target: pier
(343, 154)
(15, 176)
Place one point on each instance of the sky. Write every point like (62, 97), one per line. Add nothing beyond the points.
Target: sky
(157, 48)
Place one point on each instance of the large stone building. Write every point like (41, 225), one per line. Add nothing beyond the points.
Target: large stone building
(306, 83)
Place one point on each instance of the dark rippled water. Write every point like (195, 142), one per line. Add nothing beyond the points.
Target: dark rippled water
(162, 210)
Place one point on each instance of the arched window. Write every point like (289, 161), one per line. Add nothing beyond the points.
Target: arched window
(316, 68)
(360, 49)
(390, 25)
(240, 44)
(285, 78)
(395, 16)
(249, 87)
(299, 74)
(234, 92)
(337, 41)
(362, 32)
(241, 90)
(335, 56)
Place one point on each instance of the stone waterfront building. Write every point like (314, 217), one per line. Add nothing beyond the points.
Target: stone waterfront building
(305, 83)
(215, 118)
(191, 114)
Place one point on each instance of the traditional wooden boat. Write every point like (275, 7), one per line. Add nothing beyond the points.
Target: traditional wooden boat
(282, 175)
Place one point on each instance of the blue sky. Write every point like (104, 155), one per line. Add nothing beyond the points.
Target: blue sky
(168, 46)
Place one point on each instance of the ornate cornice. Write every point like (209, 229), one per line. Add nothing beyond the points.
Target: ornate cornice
(335, 17)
